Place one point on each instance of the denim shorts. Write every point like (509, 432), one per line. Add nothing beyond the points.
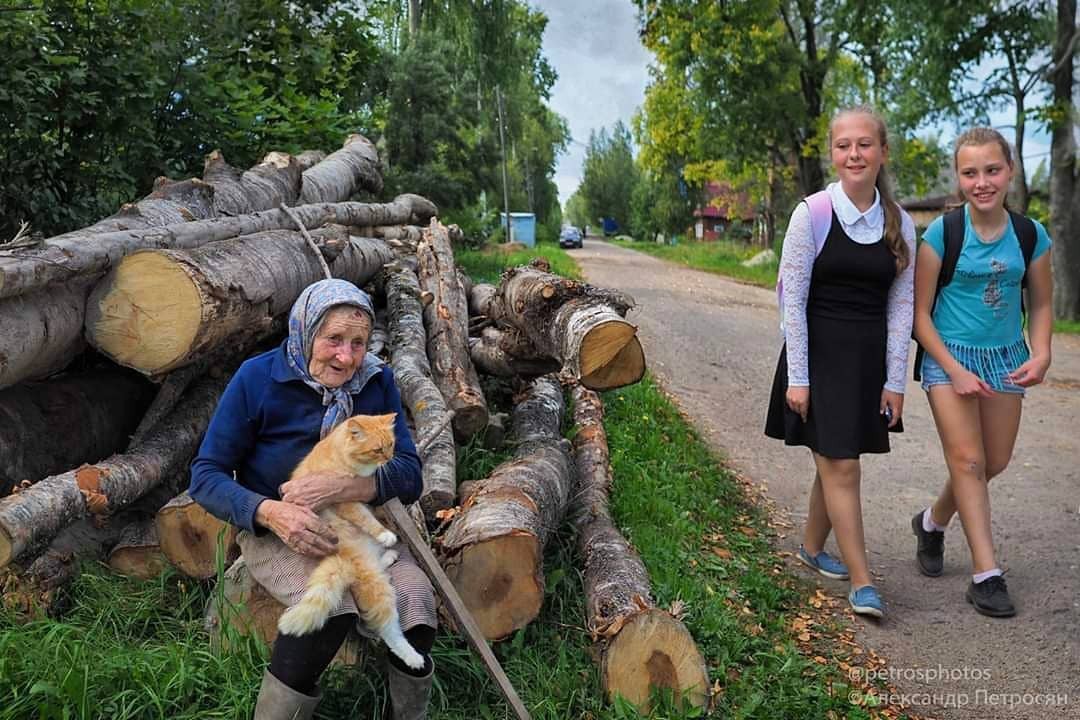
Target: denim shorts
(933, 374)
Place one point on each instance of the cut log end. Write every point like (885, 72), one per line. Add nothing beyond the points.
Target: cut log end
(501, 582)
(625, 367)
(653, 649)
(189, 537)
(146, 314)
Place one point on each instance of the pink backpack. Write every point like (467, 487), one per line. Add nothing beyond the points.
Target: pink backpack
(820, 206)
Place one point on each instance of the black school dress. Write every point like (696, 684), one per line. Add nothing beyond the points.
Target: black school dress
(847, 333)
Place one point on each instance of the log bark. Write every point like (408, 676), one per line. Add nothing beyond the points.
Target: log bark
(273, 181)
(41, 332)
(309, 158)
(493, 548)
(496, 352)
(163, 309)
(32, 517)
(408, 359)
(446, 320)
(481, 295)
(63, 258)
(354, 167)
(579, 325)
(48, 427)
(170, 202)
(189, 536)
(244, 607)
(641, 646)
(138, 554)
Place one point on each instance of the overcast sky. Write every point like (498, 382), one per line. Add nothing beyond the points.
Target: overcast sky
(593, 46)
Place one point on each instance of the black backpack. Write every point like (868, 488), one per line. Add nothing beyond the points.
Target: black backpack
(953, 238)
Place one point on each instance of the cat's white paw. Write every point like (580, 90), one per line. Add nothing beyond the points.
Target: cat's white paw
(387, 539)
(388, 558)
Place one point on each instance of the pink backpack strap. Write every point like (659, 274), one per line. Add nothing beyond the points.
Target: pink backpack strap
(820, 206)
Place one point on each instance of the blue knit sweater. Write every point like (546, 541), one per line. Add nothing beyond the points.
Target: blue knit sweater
(265, 424)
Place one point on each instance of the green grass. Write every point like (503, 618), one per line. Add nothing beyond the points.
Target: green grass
(1067, 326)
(722, 257)
(487, 264)
(128, 649)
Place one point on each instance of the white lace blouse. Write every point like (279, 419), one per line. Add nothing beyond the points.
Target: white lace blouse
(797, 264)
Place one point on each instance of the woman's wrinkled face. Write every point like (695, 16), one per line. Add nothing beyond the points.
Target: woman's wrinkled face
(856, 149)
(984, 174)
(339, 346)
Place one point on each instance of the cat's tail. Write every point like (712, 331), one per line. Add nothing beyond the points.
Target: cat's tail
(326, 586)
(377, 601)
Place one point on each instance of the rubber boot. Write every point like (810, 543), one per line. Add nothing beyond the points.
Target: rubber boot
(409, 695)
(278, 701)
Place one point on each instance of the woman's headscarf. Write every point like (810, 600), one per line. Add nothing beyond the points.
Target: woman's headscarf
(307, 315)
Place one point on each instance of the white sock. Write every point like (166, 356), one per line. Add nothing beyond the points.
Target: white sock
(928, 523)
(979, 577)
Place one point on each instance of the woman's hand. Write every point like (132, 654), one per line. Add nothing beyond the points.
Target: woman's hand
(798, 399)
(1030, 373)
(321, 489)
(894, 401)
(967, 384)
(298, 527)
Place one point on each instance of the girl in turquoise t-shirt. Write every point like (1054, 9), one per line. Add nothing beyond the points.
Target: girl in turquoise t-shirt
(977, 362)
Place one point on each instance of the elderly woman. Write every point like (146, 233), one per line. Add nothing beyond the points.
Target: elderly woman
(277, 406)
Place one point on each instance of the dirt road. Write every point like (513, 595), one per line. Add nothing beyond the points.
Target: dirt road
(713, 343)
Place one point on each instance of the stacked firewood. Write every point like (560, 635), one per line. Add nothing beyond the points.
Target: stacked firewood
(174, 291)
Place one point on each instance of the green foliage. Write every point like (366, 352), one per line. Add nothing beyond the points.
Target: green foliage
(661, 203)
(487, 264)
(610, 175)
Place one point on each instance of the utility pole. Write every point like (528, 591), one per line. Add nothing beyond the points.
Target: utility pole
(502, 145)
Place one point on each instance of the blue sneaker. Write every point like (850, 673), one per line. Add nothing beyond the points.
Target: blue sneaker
(824, 563)
(866, 601)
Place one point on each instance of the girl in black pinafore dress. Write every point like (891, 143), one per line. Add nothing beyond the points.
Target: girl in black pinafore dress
(847, 306)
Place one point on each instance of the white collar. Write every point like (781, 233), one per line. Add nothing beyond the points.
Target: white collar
(848, 213)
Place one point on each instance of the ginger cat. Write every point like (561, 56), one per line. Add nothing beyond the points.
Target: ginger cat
(357, 446)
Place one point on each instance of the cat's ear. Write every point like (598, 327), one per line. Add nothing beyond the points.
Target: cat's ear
(356, 428)
(389, 419)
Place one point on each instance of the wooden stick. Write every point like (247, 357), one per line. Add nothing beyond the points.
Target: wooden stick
(458, 611)
(310, 240)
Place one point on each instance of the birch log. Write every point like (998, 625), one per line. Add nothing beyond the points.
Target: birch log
(163, 309)
(354, 167)
(505, 353)
(189, 537)
(273, 181)
(579, 325)
(33, 516)
(641, 645)
(409, 361)
(41, 332)
(137, 554)
(493, 548)
(446, 320)
(48, 427)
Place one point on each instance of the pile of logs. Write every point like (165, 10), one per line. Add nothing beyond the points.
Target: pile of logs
(174, 291)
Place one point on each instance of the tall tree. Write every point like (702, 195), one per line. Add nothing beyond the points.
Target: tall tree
(1064, 173)
(610, 174)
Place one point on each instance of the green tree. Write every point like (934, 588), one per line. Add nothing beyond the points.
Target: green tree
(609, 175)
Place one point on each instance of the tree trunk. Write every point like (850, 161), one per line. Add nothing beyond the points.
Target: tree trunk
(35, 515)
(481, 295)
(163, 309)
(63, 257)
(274, 181)
(642, 646)
(446, 320)
(408, 358)
(309, 159)
(170, 202)
(1064, 184)
(505, 353)
(41, 332)
(352, 168)
(248, 609)
(493, 548)
(580, 326)
(91, 413)
(138, 554)
(189, 537)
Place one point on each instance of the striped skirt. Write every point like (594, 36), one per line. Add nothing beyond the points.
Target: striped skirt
(284, 574)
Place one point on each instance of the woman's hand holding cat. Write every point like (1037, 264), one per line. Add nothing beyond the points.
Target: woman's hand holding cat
(298, 527)
(320, 489)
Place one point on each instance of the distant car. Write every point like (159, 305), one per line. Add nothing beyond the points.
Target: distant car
(570, 237)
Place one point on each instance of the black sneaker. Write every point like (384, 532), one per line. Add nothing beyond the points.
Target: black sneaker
(931, 551)
(991, 597)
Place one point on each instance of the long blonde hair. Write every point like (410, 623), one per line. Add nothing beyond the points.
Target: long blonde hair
(894, 234)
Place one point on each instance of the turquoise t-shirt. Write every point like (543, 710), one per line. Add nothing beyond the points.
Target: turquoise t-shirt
(980, 308)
